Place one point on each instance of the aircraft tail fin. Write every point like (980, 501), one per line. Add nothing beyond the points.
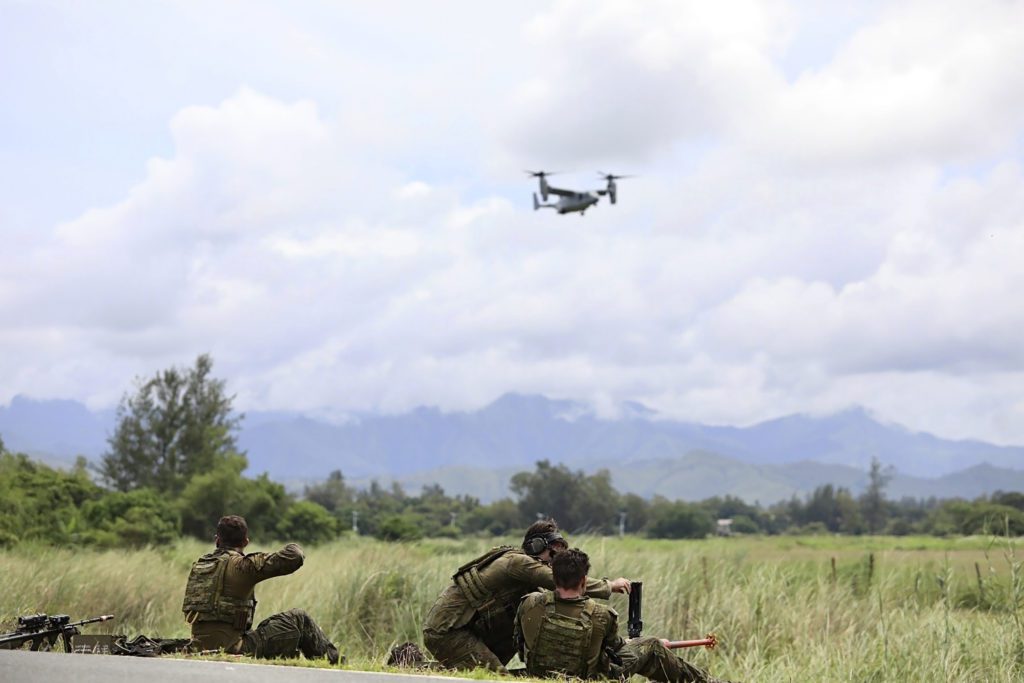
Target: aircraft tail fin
(536, 204)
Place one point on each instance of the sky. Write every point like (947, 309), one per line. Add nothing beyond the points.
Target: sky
(330, 199)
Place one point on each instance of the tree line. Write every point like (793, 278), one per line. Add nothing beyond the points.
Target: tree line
(173, 467)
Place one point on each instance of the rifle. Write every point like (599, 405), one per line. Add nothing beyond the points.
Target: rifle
(635, 623)
(41, 630)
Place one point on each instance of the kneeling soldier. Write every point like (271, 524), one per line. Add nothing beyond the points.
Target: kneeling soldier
(565, 633)
(219, 602)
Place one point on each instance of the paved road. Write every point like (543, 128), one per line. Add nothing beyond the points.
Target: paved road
(18, 666)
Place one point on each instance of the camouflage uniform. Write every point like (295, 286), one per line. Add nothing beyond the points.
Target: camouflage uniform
(471, 623)
(579, 637)
(219, 604)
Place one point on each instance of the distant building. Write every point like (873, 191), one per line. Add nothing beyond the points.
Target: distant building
(724, 527)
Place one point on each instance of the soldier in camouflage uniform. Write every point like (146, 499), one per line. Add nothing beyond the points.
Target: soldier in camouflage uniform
(219, 602)
(565, 633)
(471, 623)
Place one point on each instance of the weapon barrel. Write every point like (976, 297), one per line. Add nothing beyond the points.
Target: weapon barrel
(105, 617)
(709, 642)
(635, 623)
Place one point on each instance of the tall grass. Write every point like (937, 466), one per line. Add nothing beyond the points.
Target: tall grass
(893, 610)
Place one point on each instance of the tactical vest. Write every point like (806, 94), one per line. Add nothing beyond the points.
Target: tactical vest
(204, 593)
(467, 577)
(563, 642)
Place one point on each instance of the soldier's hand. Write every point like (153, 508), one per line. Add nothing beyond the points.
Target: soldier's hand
(620, 585)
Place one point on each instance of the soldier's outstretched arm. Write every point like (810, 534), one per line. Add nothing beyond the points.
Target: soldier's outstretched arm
(267, 565)
(532, 572)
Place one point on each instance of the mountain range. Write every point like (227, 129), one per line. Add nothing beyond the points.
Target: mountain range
(475, 452)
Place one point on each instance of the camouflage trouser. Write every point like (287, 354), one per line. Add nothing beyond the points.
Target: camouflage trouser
(465, 648)
(486, 641)
(286, 635)
(651, 659)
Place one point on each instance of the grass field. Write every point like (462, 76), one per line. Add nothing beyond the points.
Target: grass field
(891, 609)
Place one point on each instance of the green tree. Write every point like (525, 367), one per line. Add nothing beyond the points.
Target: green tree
(137, 518)
(746, 518)
(177, 424)
(225, 491)
(575, 500)
(821, 507)
(872, 501)
(742, 524)
(678, 519)
(500, 518)
(636, 509)
(848, 513)
(40, 503)
(1014, 499)
(441, 514)
(400, 527)
(308, 522)
(595, 505)
(376, 503)
(992, 519)
(947, 518)
(332, 494)
(545, 492)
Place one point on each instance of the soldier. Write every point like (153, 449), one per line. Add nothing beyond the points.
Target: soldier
(471, 623)
(565, 633)
(219, 602)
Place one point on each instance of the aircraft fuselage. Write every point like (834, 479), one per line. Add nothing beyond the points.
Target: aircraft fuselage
(580, 201)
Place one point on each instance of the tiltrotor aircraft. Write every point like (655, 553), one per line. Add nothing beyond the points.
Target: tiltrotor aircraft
(571, 200)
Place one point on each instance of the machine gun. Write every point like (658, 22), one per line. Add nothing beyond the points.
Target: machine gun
(635, 622)
(42, 631)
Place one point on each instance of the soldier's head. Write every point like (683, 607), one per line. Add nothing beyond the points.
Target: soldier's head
(570, 568)
(543, 540)
(232, 532)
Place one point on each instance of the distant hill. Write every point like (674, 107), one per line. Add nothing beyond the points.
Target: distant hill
(54, 431)
(645, 453)
(699, 475)
(516, 431)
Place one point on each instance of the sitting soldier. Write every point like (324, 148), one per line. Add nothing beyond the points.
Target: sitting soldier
(219, 602)
(565, 633)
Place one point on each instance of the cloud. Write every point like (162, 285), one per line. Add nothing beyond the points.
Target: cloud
(936, 300)
(927, 81)
(914, 82)
(626, 82)
(793, 242)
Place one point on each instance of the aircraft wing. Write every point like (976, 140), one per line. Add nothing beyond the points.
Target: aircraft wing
(560, 192)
